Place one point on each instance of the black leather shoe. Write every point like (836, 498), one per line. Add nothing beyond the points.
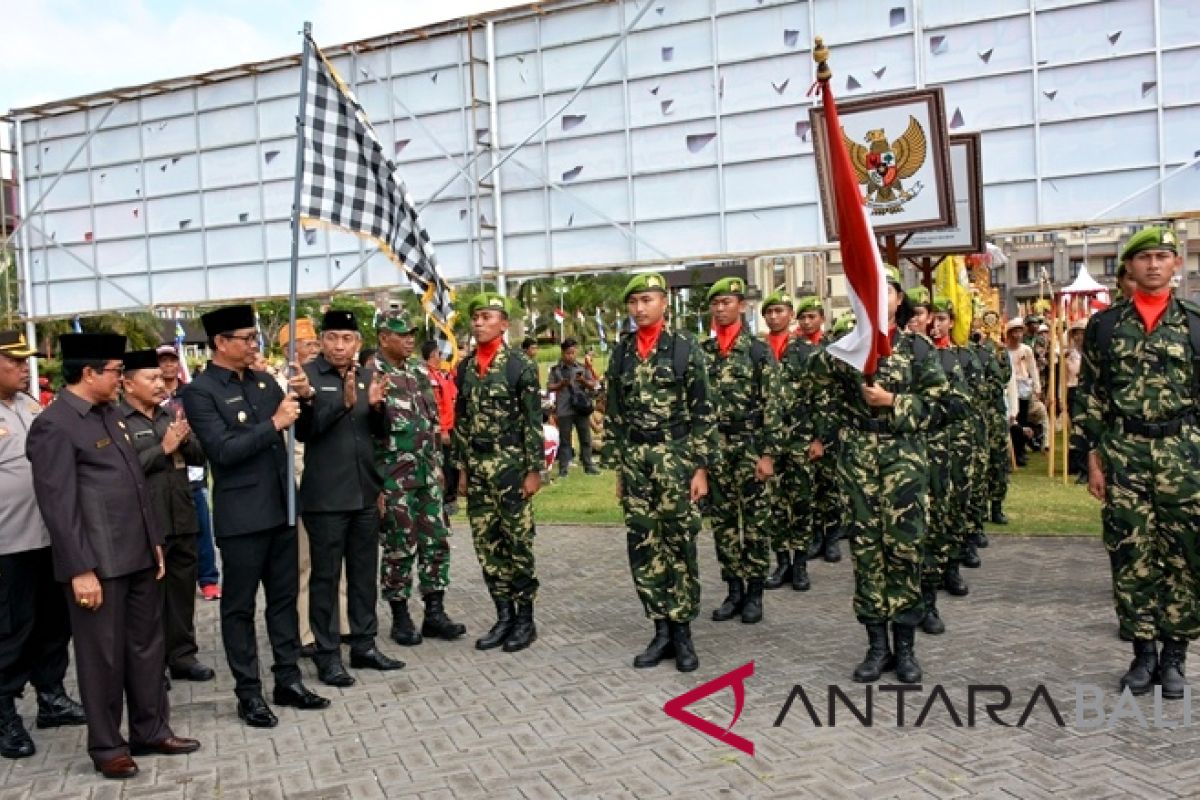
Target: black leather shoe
(524, 631)
(980, 538)
(372, 658)
(403, 631)
(193, 672)
(437, 623)
(56, 709)
(333, 673)
(591, 470)
(15, 741)
(932, 623)
(660, 647)
(800, 581)
(255, 712)
(686, 659)
(298, 696)
(783, 570)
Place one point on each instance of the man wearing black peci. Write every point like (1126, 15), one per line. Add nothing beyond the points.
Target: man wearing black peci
(239, 416)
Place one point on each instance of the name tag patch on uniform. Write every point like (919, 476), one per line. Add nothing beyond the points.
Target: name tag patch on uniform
(404, 404)
(105, 442)
(232, 400)
(140, 434)
(329, 389)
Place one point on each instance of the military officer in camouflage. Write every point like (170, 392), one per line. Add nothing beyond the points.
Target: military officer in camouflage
(828, 510)
(741, 372)
(1136, 409)
(882, 467)
(413, 530)
(922, 306)
(663, 434)
(796, 519)
(499, 447)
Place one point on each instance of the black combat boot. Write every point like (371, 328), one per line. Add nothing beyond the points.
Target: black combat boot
(998, 516)
(970, 556)
(904, 639)
(981, 540)
(833, 550)
(403, 630)
(659, 648)
(56, 709)
(524, 632)
(953, 583)
(503, 627)
(1143, 670)
(932, 624)
(732, 604)
(800, 581)
(752, 609)
(14, 739)
(437, 623)
(685, 652)
(1174, 653)
(879, 656)
(783, 570)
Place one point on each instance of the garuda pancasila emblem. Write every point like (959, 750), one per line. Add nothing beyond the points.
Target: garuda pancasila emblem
(881, 167)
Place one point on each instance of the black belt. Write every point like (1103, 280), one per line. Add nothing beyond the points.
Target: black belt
(658, 435)
(1156, 430)
(876, 425)
(492, 445)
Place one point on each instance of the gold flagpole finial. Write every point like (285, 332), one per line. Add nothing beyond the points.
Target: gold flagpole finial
(821, 56)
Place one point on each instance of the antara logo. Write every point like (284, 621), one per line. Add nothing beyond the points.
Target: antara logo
(734, 679)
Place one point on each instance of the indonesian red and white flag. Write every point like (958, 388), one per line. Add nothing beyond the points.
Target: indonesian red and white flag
(862, 347)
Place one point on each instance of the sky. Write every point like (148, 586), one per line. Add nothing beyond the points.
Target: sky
(55, 49)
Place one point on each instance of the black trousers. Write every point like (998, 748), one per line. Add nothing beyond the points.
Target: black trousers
(34, 627)
(1019, 440)
(565, 452)
(119, 661)
(450, 489)
(334, 537)
(179, 600)
(269, 558)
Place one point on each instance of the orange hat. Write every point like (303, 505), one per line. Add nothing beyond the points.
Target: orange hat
(304, 332)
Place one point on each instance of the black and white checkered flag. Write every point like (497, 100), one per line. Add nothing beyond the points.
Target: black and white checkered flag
(348, 182)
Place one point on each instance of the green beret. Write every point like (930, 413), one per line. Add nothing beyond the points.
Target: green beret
(488, 300)
(943, 305)
(893, 275)
(645, 282)
(809, 303)
(1150, 239)
(778, 298)
(730, 286)
(397, 322)
(919, 295)
(843, 324)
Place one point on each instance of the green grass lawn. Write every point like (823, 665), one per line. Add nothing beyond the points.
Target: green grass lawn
(1036, 505)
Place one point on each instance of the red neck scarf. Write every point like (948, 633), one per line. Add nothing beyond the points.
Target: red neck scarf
(814, 337)
(778, 342)
(726, 335)
(941, 343)
(485, 352)
(1151, 307)
(647, 338)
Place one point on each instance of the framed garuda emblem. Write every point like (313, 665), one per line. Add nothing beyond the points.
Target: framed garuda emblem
(899, 149)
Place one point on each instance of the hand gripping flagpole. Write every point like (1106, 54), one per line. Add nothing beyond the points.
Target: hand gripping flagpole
(291, 351)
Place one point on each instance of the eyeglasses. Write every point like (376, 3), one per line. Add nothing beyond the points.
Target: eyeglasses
(246, 338)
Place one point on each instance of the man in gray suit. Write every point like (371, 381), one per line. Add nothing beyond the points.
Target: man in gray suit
(107, 549)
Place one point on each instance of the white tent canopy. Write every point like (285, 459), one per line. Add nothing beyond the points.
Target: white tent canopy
(1084, 283)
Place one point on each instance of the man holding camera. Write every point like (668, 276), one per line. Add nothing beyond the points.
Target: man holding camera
(573, 384)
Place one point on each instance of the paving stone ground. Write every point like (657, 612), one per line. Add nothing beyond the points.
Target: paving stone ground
(570, 718)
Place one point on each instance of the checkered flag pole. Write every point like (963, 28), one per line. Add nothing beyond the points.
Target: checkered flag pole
(346, 181)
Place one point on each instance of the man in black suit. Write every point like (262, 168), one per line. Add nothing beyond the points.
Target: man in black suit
(239, 415)
(107, 549)
(341, 412)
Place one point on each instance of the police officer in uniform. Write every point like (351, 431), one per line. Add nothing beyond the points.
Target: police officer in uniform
(239, 415)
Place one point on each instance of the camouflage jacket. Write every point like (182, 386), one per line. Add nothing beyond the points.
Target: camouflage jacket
(923, 397)
(964, 375)
(411, 452)
(741, 387)
(490, 417)
(997, 371)
(648, 395)
(1142, 376)
(795, 396)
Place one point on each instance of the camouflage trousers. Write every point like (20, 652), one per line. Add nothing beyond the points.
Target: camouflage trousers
(794, 520)
(980, 494)
(413, 532)
(740, 512)
(830, 503)
(886, 481)
(999, 463)
(663, 524)
(502, 530)
(1151, 527)
(952, 458)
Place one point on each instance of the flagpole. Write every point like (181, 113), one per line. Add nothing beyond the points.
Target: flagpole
(299, 180)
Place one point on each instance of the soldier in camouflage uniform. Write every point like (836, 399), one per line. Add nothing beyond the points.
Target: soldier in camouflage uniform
(663, 439)
(413, 531)
(883, 467)
(997, 370)
(1136, 409)
(829, 512)
(952, 444)
(499, 447)
(741, 374)
(922, 309)
(796, 519)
